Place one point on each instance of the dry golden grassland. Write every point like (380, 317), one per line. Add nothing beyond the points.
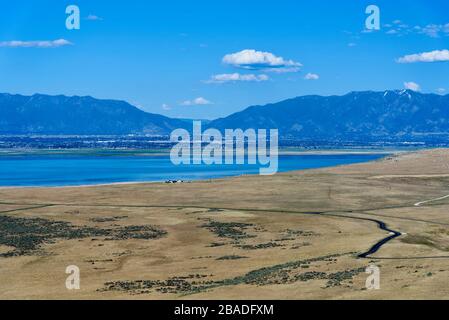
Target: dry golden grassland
(294, 235)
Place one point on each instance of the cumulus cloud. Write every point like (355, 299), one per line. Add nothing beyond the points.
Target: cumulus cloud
(432, 56)
(35, 44)
(412, 86)
(237, 77)
(200, 101)
(258, 60)
(166, 107)
(311, 76)
(441, 91)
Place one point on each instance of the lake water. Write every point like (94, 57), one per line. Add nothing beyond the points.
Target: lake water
(75, 170)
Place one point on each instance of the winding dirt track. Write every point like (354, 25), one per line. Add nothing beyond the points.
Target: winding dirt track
(419, 204)
(393, 234)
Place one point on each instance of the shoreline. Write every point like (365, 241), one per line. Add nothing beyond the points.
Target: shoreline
(312, 153)
(85, 185)
(162, 153)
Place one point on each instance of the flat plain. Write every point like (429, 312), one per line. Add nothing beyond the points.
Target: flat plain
(295, 235)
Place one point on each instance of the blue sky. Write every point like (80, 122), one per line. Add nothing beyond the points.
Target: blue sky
(207, 59)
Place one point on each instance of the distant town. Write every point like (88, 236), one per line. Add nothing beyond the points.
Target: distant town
(163, 143)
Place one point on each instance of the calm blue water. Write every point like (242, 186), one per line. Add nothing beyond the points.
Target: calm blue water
(66, 170)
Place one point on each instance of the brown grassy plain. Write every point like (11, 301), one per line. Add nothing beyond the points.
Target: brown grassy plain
(288, 236)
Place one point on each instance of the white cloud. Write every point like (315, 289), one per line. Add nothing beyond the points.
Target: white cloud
(311, 76)
(433, 56)
(433, 30)
(200, 101)
(441, 91)
(92, 17)
(35, 44)
(398, 28)
(166, 107)
(257, 60)
(235, 77)
(412, 86)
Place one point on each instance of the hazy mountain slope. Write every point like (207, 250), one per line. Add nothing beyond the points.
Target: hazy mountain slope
(42, 114)
(358, 116)
(390, 115)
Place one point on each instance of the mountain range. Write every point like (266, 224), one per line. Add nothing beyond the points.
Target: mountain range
(401, 115)
(62, 115)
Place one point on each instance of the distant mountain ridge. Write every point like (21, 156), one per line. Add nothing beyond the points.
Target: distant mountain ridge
(400, 115)
(62, 115)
